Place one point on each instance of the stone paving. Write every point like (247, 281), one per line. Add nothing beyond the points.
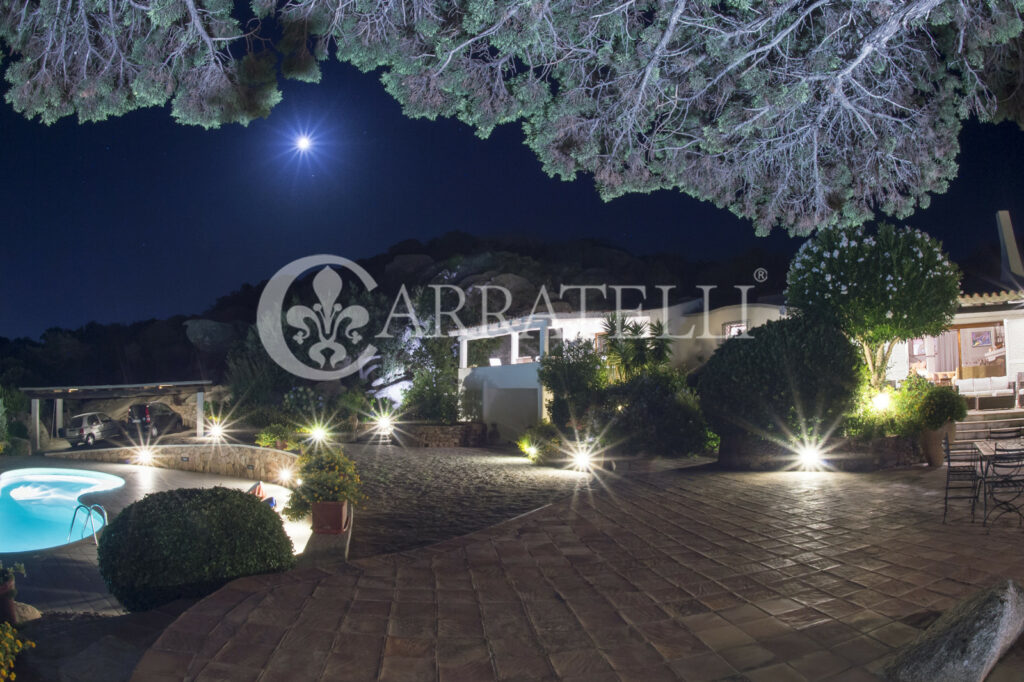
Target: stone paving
(695, 575)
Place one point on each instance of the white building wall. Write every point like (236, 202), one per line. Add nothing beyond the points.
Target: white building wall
(1014, 331)
(899, 362)
(510, 395)
(706, 334)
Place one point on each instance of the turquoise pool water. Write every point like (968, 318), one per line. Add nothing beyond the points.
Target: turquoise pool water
(36, 506)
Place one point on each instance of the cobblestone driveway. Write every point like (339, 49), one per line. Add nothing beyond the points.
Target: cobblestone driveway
(420, 496)
(693, 576)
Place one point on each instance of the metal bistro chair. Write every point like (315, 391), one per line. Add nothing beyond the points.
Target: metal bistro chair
(1004, 484)
(962, 474)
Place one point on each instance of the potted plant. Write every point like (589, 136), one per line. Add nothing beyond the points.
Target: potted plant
(276, 435)
(328, 488)
(7, 591)
(938, 413)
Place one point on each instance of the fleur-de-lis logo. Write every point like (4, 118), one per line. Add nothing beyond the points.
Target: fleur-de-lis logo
(325, 318)
(320, 323)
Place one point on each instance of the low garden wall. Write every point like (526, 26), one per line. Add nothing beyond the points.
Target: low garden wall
(470, 434)
(240, 461)
(873, 455)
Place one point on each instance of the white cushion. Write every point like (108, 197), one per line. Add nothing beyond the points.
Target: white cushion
(965, 385)
(999, 384)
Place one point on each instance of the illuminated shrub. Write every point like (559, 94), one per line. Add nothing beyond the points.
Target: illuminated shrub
(941, 405)
(655, 413)
(188, 543)
(792, 376)
(542, 444)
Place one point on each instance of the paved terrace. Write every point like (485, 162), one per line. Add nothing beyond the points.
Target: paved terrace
(696, 575)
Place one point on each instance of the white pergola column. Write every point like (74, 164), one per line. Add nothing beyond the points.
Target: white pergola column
(543, 341)
(34, 425)
(200, 417)
(514, 352)
(463, 353)
(58, 414)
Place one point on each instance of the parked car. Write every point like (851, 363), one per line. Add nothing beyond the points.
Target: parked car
(152, 419)
(89, 428)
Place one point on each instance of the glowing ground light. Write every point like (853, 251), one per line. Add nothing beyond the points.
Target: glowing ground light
(144, 456)
(318, 434)
(582, 457)
(216, 432)
(531, 450)
(303, 143)
(385, 424)
(881, 402)
(810, 456)
(284, 475)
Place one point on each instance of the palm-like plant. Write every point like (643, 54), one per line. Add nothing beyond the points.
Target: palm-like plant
(633, 347)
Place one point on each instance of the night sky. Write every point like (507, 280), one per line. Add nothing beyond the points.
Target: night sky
(138, 217)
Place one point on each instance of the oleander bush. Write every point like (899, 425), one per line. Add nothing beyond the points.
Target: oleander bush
(188, 543)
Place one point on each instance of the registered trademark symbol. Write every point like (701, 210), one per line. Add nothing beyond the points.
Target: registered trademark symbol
(760, 275)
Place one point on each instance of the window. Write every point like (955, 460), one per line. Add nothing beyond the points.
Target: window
(731, 329)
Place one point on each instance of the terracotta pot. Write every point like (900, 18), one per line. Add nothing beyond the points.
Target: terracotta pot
(7, 602)
(331, 518)
(931, 443)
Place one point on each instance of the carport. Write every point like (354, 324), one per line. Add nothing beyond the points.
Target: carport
(151, 390)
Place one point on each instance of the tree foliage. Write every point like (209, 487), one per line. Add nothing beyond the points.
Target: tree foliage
(632, 348)
(797, 113)
(878, 289)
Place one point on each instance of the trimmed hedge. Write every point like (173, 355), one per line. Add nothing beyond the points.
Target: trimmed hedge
(793, 374)
(188, 543)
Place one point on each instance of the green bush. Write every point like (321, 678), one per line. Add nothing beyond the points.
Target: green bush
(432, 397)
(273, 434)
(327, 475)
(914, 407)
(574, 375)
(793, 375)
(542, 444)
(941, 405)
(188, 543)
(17, 430)
(656, 413)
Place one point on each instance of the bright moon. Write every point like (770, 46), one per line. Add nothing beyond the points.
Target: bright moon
(303, 143)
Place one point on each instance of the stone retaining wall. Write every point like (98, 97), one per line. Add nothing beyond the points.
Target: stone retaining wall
(468, 435)
(240, 461)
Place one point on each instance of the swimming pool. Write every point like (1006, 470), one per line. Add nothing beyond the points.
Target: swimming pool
(36, 506)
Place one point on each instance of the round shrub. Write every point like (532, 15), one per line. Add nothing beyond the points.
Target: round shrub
(941, 405)
(188, 543)
(793, 375)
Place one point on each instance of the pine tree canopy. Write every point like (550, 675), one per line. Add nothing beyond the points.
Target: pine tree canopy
(793, 113)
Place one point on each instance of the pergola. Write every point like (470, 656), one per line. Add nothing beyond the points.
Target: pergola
(149, 390)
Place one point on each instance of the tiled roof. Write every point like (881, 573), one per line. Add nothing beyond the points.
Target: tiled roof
(991, 298)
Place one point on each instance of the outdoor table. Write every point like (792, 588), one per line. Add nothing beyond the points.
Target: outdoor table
(986, 450)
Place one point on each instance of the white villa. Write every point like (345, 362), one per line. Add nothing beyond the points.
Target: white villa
(507, 386)
(982, 353)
